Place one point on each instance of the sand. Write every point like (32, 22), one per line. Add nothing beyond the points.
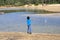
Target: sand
(49, 15)
(25, 36)
(49, 7)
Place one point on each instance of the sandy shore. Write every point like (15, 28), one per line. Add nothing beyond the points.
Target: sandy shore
(50, 15)
(25, 36)
(50, 7)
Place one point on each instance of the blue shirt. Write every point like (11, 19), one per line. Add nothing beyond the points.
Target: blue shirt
(28, 22)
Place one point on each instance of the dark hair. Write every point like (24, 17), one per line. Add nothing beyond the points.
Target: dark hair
(28, 17)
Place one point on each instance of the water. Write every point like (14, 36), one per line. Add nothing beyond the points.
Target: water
(16, 22)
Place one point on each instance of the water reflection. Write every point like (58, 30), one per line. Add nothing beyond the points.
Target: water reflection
(16, 21)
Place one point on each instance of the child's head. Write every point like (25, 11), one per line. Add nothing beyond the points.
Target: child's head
(28, 17)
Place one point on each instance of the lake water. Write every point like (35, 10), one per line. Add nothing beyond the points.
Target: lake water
(16, 22)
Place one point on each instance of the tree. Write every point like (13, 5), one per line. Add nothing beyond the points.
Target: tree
(23, 2)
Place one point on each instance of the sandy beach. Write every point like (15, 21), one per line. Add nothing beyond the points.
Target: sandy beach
(49, 7)
(25, 36)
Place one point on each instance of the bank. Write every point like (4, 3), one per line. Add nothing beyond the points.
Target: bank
(50, 8)
(25, 36)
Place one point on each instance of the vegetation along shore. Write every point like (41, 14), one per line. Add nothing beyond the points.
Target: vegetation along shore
(42, 5)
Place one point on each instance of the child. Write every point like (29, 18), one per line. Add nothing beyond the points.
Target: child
(29, 25)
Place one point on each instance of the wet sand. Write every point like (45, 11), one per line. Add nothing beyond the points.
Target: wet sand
(25, 36)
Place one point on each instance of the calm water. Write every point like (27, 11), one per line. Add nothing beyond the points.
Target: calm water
(16, 22)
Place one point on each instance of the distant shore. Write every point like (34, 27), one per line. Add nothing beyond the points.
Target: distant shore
(50, 15)
(25, 36)
(49, 7)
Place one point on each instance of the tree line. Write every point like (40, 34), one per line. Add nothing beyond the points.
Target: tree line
(24, 2)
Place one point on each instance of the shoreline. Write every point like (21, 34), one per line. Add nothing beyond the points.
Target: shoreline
(25, 36)
(50, 15)
(55, 8)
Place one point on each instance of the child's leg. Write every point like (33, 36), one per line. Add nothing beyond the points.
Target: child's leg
(30, 29)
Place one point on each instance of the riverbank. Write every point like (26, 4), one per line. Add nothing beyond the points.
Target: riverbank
(49, 7)
(25, 36)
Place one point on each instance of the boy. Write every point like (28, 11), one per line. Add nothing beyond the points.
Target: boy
(29, 25)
